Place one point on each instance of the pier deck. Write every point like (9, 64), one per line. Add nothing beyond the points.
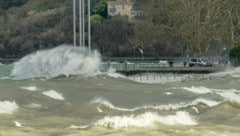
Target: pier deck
(179, 70)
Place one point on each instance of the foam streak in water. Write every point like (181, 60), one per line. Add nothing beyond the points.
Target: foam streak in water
(62, 60)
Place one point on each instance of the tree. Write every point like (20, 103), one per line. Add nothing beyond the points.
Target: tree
(100, 8)
(235, 56)
(111, 34)
(5, 4)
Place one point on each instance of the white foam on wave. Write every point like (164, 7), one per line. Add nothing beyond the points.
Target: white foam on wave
(195, 109)
(6, 77)
(168, 93)
(198, 90)
(112, 73)
(226, 90)
(7, 107)
(99, 110)
(147, 119)
(18, 124)
(29, 88)
(54, 94)
(166, 107)
(62, 60)
(78, 127)
(230, 96)
(102, 101)
(234, 72)
(209, 103)
(204, 90)
(34, 105)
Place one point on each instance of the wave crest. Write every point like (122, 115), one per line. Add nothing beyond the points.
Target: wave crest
(167, 107)
(147, 119)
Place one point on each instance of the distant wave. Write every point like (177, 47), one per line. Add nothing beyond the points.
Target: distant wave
(147, 119)
(7, 107)
(62, 60)
(229, 94)
(234, 72)
(78, 127)
(104, 102)
(6, 77)
(198, 90)
(29, 88)
(54, 94)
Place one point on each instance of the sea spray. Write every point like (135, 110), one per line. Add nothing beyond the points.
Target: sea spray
(62, 60)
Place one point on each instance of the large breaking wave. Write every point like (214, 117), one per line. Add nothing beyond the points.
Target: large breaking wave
(62, 60)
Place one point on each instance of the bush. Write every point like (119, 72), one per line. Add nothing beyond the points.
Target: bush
(234, 56)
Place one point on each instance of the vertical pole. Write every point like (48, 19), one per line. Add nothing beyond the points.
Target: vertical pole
(80, 23)
(74, 22)
(89, 26)
(83, 24)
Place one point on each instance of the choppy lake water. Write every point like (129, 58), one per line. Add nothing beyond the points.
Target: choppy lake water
(62, 92)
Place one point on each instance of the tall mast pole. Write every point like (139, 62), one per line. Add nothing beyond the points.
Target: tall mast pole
(89, 26)
(74, 22)
(83, 20)
(80, 23)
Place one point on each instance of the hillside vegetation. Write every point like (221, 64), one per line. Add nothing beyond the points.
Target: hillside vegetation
(165, 27)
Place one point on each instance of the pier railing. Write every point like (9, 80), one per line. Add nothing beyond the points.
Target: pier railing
(135, 68)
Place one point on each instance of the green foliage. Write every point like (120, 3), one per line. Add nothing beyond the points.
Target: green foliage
(100, 8)
(96, 18)
(49, 4)
(235, 56)
(6, 4)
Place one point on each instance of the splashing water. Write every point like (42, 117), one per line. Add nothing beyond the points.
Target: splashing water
(62, 60)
